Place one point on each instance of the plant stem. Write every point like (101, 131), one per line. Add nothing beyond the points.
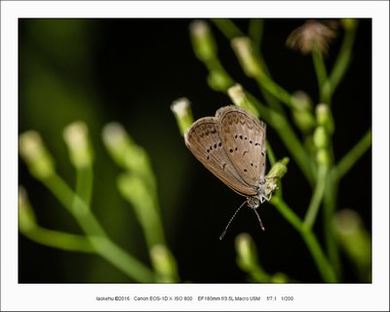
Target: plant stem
(227, 27)
(330, 197)
(60, 240)
(320, 70)
(316, 199)
(270, 153)
(273, 88)
(286, 212)
(101, 243)
(84, 183)
(255, 32)
(323, 265)
(347, 162)
(309, 238)
(342, 62)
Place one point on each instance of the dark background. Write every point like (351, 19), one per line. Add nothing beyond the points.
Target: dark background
(130, 71)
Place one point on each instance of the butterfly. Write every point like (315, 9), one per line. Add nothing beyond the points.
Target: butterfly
(232, 146)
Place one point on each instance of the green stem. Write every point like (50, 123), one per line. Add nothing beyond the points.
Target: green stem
(270, 153)
(84, 183)
(309, 238)
(258, 274)
(316, 199)
(60, 240)
(286, 212)
(320, 69)
(97, 236)
(227, 27)
(330, 197)
(342, 62)
(255, 32)
(323, 265)
(273, 88)
(347, 162)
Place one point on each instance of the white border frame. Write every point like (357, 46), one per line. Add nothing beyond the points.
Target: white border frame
(338, 297)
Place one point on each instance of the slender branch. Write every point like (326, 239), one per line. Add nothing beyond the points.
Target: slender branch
(330, 197)
(320, 69)
(286, 212)
(227, 27)
(274, 89)
(343, 60)
(59, 240)
(323, 265)
(84, 183)
(255, 32)
(347, 162)
(102, 244)
(270, 153)
(316, 199)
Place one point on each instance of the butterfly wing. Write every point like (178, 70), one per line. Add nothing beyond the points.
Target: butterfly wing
(243, 137)
(203, 140)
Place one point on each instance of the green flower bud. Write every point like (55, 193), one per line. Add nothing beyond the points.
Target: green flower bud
(302, 111)
(354, 239)
(324, 117)
(35, 154)
(323, 157)
(123, 149)
(246, 251)
(279, 278)
(202, 41)
(27, 219)
(239, 98)
(183, 114)
(320, 138)
(76, 138)
(279, 169)
(349, 23)
(164, 264)
(242, 46)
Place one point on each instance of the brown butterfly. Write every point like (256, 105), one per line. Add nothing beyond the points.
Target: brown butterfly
(232, 146)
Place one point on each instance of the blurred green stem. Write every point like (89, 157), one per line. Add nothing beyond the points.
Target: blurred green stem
(274, 89)
(60, 240)
(317, 197)
(322, 263)
(320, 69)
(347, 162)
(344, 165)
(343, 60)
(270, 153)
(227, 27)
(330, 198)
(96, 235)
(255, 32)
(84, 183)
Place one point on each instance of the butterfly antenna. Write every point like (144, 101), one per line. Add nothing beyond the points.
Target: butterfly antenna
(258, 217)
(230, 221)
